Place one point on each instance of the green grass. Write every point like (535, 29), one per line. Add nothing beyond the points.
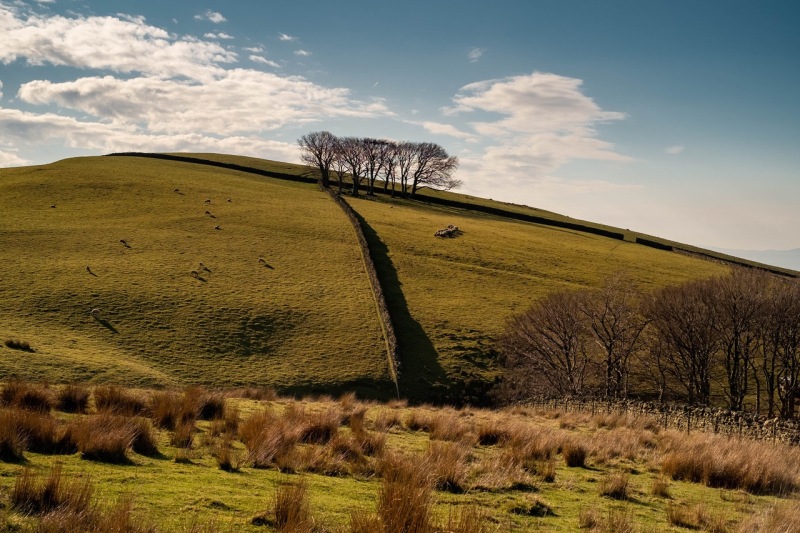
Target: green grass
(457, 293)
(305, 322)
(242, 323)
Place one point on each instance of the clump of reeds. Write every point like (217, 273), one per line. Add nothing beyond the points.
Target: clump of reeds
(118, 401)
(615, 485)
(32, 496)
(73, 398)
(291, 510)
(574, 453)
(27, 396)
(759, 468)
(448, 464)
(107, 438)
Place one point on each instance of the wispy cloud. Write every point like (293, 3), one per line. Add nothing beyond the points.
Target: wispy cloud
(475, 54)
(437, 128)
(212, 16)
(545, 122)
(285, 37)
(302, 53)
(220, 35)
(264, 61)
(674, 150)
(254, 49)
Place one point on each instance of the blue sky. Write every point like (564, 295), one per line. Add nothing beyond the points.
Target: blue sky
(680, 118)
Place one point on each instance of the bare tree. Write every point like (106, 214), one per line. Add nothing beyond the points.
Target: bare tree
(684, 323)
(404, 153)
(546, 345)
(352, 153)
(433, 167)
(788, 317)
(616, 324)
(390, 163)
(318, 149)
(737, 304)
(339, 164)
(374, 151)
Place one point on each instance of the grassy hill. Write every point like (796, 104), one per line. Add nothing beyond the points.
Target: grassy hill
(240, 322)
(305, 320)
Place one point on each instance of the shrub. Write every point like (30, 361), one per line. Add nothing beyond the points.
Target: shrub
(615, 486)
(73, 398)
(118, 401)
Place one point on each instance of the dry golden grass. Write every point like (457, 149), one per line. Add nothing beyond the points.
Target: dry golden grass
(757, 467)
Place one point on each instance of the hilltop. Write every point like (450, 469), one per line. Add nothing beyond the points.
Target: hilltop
(282, 298)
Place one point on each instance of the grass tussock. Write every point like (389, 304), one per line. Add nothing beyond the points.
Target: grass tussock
(73, 398)
(469, 519)
(267, 438)
(660, 487)
(756, 467)
(27, 396)
(615, 485)
(574, 453)
(291, 510)
(107, 438)
(387, 419)
(448, 426)
(493, 433)
(449, 465)
(22, 430)
(782, 518)
(40, 496)
(119, 401)
(405, 499)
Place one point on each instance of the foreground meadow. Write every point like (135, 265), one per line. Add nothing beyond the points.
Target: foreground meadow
(192, 460)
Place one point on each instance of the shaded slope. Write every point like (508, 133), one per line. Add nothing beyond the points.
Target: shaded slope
(305, 320)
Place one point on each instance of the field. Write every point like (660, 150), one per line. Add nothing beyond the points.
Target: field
(280, 291)
(516, 469)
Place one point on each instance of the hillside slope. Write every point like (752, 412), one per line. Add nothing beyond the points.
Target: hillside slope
(306, 320)
(240, 322)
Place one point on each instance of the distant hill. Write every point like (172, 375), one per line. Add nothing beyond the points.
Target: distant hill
(781, 258)
(282, 298)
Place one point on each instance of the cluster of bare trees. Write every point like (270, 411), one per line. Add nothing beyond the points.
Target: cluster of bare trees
(402, 166)
(732, 339)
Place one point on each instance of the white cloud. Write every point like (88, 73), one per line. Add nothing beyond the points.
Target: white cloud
(108, 138)
(239, 100)
(264, 61)
(475, 54)
(437, 128)
(674, 150)
(284, 37)
(220, 35)
(212, 16)
(302, 53)
(11, 159)
(543, 122)
(120, 45)
(253, 49)
(1, 89)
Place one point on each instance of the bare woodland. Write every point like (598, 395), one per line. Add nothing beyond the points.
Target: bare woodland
(732, 340)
